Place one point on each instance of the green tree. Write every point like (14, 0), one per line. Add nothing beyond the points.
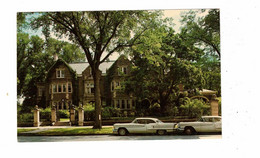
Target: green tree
(162, 61)
(99, 34)
(67, 51)
(202, 31)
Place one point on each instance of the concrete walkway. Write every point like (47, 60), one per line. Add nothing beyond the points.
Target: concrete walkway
(46, 128)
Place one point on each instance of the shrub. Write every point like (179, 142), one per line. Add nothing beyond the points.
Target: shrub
(89, 112)
(64, 113)
(154, 109)
(194, 108)
(45, 114)
(25, 117)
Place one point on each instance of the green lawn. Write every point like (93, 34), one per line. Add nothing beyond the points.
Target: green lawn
(64, 119)
(26, 130)
(76, 131)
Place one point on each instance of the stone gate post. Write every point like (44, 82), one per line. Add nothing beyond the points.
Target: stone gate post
(36, 118)
(72, 115)
(214, 106)
(81, 115)
(53, 115)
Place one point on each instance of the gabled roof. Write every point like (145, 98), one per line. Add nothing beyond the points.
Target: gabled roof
(59, 61)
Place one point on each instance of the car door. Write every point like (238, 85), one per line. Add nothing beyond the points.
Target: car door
(151, 126)
(217, 124)
(139, 126)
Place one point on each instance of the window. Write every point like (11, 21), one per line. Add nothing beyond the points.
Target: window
(208, 119)
(122, 70)
(150, 121)
(60, 73)
(217, 119)
(64, 88)
(50, 89)
(123, 104)
(54, 88)
(89, 88)
(40, 92)
(128, 104)
(59, 88)
(69, 88)
(112, 86)
(118, 104)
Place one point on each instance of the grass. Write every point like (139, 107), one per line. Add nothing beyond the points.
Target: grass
(25, 130)
(64, 119)
(73, 131)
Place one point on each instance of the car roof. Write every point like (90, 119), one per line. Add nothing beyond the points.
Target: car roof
(211, 116)
(147, 118)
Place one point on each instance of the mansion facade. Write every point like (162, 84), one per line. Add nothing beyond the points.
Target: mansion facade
(73, 84)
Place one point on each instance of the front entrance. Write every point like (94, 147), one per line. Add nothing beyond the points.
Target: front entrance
(62, 109)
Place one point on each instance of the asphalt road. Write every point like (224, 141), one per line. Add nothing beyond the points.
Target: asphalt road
(111, 137)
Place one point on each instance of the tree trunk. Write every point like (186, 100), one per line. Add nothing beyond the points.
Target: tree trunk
(98, 120)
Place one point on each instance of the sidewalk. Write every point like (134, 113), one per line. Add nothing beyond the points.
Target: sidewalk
(62, 130)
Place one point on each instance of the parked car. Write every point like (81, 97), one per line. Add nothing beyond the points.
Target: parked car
(143, 125)
(204, 124)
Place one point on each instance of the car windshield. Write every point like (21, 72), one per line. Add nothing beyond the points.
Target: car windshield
(200, 120)
(159, 121)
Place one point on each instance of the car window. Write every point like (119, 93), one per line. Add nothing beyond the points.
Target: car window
(208, 119)
(150, 121)
(141, 121)
(217, 119)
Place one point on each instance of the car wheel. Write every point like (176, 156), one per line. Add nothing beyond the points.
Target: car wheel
(189, 131)
(161, 132)
(122, 132)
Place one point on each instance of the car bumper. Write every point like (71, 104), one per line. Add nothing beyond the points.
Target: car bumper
(115, 131)
(179, 130)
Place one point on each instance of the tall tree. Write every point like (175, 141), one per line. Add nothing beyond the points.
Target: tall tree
(164, 62)
(203, 31)
(99, 34)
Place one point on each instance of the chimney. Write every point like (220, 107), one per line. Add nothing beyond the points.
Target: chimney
(55, 57)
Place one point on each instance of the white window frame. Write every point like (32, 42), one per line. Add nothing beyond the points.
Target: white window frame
(60, 73)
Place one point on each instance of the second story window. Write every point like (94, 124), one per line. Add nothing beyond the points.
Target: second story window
(60, 73)
(90, 88)
(122, 70)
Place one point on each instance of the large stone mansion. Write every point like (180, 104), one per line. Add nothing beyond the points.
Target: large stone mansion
(73, 84)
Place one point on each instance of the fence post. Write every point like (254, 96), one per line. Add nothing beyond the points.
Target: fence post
(36, 118)
(72, 115)
(53, 115)
(214, 106)
(81, 115)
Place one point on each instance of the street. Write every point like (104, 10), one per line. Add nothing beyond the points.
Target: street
(111, 137)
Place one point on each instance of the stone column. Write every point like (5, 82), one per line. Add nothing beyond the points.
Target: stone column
(36, 119)
(81, 115)
(214, 106)
(72, 115)
(53, 115)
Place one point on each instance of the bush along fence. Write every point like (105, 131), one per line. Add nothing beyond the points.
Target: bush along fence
(191, 109)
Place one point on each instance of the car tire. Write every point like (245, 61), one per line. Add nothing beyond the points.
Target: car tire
(189, 131)
(161, 132)
(122, 132)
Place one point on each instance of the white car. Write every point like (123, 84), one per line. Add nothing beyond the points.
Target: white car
(143, 125)
(204, 124)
